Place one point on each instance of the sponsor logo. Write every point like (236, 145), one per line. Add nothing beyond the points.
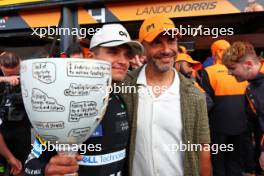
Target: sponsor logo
(33, 171)
(99, 160)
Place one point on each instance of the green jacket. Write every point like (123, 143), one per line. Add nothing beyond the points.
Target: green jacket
(194, 119)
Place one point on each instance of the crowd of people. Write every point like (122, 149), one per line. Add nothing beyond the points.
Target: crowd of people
(218, 106)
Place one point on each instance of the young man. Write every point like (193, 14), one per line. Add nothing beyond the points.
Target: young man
(167, 110)
(227, 117)
(113, 132)
(15, 127)
(243, 63)
(15, 164)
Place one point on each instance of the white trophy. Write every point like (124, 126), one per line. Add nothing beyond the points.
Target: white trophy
(65, 98)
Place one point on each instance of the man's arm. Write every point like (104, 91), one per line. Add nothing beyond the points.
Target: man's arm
(205, 162)
(41, 162)
(16, 166)
(12, 80)
(204, 138)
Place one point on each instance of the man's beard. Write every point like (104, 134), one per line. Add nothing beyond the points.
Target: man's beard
(187, 75)
(159, 56)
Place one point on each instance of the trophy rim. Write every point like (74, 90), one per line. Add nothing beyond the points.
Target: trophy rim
(93, 60)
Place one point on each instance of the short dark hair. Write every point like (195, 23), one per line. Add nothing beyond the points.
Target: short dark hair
(74, 48)
(9, 60)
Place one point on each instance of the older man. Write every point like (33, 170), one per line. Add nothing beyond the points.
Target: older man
(167, 111)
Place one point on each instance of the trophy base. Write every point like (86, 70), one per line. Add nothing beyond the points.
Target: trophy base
(68, 151)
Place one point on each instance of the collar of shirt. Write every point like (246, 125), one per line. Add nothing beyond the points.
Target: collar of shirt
(260, 76)
(173, 89)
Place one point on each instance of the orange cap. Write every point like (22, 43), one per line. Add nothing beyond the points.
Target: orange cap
(183, 49)
(185, 57)
(219, 44)
(155, 25)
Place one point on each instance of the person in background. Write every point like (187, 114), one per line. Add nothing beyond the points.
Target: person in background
(15, 129)
(244, 64)
(187, 66)
(217, 48)
(182, 49)
(253, 6)
(227, 117)
(74, 51)
(137, 61)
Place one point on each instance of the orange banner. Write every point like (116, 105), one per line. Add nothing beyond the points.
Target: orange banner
(41, 18)
(172, 9)
(132, 11)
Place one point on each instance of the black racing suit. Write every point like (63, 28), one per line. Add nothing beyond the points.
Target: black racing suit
(107, 151)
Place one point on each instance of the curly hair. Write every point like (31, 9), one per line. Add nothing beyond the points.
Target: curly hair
(238, 52)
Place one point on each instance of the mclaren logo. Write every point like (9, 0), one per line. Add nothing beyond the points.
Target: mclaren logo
(151, 26)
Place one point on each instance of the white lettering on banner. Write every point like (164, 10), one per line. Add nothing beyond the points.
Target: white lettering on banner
(99, 18)
(98, 160)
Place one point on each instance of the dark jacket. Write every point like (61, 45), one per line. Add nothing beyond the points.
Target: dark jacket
(255, 97)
